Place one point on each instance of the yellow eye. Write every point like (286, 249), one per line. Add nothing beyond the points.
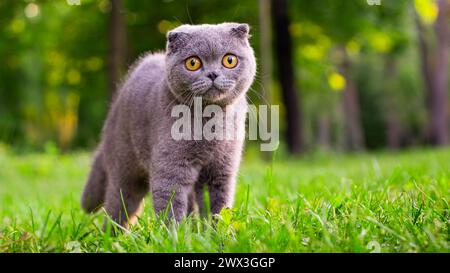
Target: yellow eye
(193, 63)
(229, 61)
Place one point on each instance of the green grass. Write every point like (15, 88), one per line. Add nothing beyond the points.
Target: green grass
(358, 203)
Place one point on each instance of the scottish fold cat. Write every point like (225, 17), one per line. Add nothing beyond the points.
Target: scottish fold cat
(137, 153)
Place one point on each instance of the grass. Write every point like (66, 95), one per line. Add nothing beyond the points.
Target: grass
(388, 202)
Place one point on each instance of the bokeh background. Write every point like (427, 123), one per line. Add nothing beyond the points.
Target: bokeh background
(363, 89)
(349, 75)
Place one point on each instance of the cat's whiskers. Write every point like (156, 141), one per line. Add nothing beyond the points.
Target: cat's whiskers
(175, 99)
(261, 97)
(254, 113)
(263, 88)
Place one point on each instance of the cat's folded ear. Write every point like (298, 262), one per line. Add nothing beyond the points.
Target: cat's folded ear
(241, 31)
(175, 40)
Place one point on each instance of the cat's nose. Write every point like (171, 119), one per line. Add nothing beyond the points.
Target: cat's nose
(212, 75)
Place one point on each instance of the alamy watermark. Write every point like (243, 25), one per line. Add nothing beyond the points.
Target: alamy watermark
(212, 122)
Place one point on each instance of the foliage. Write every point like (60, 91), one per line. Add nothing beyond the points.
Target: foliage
(53, 81)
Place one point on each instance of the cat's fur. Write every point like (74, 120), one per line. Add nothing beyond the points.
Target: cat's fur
(137, 153)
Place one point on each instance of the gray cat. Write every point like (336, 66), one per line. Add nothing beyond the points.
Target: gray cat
(137, 153)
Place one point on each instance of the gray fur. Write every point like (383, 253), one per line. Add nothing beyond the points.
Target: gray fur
(137, 153)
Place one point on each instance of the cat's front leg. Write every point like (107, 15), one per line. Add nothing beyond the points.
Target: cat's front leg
(221, 187)
(171, 185)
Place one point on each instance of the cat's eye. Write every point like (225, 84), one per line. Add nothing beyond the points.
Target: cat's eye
(193, 63)
(229, 61)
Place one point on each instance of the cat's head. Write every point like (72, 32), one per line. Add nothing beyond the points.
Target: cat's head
(215, 62)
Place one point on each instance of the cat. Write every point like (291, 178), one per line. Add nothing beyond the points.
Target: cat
(138, 155)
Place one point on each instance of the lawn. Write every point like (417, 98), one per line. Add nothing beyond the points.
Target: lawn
(388, 202)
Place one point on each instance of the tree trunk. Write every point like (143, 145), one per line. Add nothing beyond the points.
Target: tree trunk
(283, 46)
(324, 131)
(117, 39)
(354, 138)
(393, 131)
(266, 50)
(425, 52)
(266, 58)
(393, 124)
(439, 101)
(435, 74)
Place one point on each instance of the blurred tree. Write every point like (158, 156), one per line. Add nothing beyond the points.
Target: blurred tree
(353, 60)
(393, 122)
(283, 47)
(266, 49)
(435, 66)
(265, 70)
(439, 98)
(11, 72)
(354, 138)
(342, 21)
(389, 41)
(117, 41)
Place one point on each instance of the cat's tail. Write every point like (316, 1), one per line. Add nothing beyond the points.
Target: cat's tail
(94, 191)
